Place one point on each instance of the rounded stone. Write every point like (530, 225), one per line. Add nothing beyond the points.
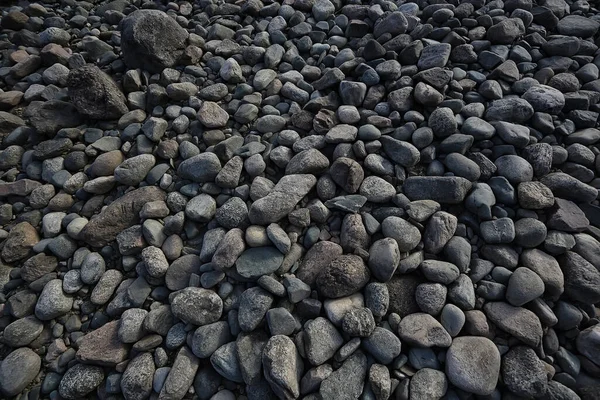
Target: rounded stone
(344, 276)
(18, 369)
(473, 364)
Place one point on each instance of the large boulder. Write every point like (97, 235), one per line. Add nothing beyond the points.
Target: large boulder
(95, 94)
(152, 40)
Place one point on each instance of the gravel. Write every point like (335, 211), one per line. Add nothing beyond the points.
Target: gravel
(312, 199)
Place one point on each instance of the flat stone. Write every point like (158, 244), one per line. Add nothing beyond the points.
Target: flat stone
(446, 189)
(282, 199)
(22, 187)
(517, 321)
(423, 330)
(119, 215)
(258, 261)
(102, 346)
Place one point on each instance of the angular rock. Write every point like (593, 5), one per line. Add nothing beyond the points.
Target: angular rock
(524, 373)
(519, 322)
(95, 94)
(21, 239)
(347, 381)
(321, 340)
(344, 276)
(102, 346)
(582, 279)
(423, 330)
(151, 40)
(283, 367)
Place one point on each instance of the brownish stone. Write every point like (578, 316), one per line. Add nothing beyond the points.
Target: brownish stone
(21, 238)
(102, 346)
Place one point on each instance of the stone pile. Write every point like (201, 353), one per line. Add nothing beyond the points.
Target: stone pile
(316, 199)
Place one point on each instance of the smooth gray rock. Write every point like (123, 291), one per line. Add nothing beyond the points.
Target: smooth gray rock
(202, 168)
(406, 235)
(226, 362)
(384, 345)
(131, 326)
(254, 304)
(22, 331)
(258, 261)
(523, 286)
(428, 383)
(423, 330)
(384, 257)
(181, 376)
(249, 348)
(18, 369)
(473, 364)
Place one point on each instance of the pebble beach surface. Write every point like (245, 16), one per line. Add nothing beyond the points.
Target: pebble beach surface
(300, 199)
